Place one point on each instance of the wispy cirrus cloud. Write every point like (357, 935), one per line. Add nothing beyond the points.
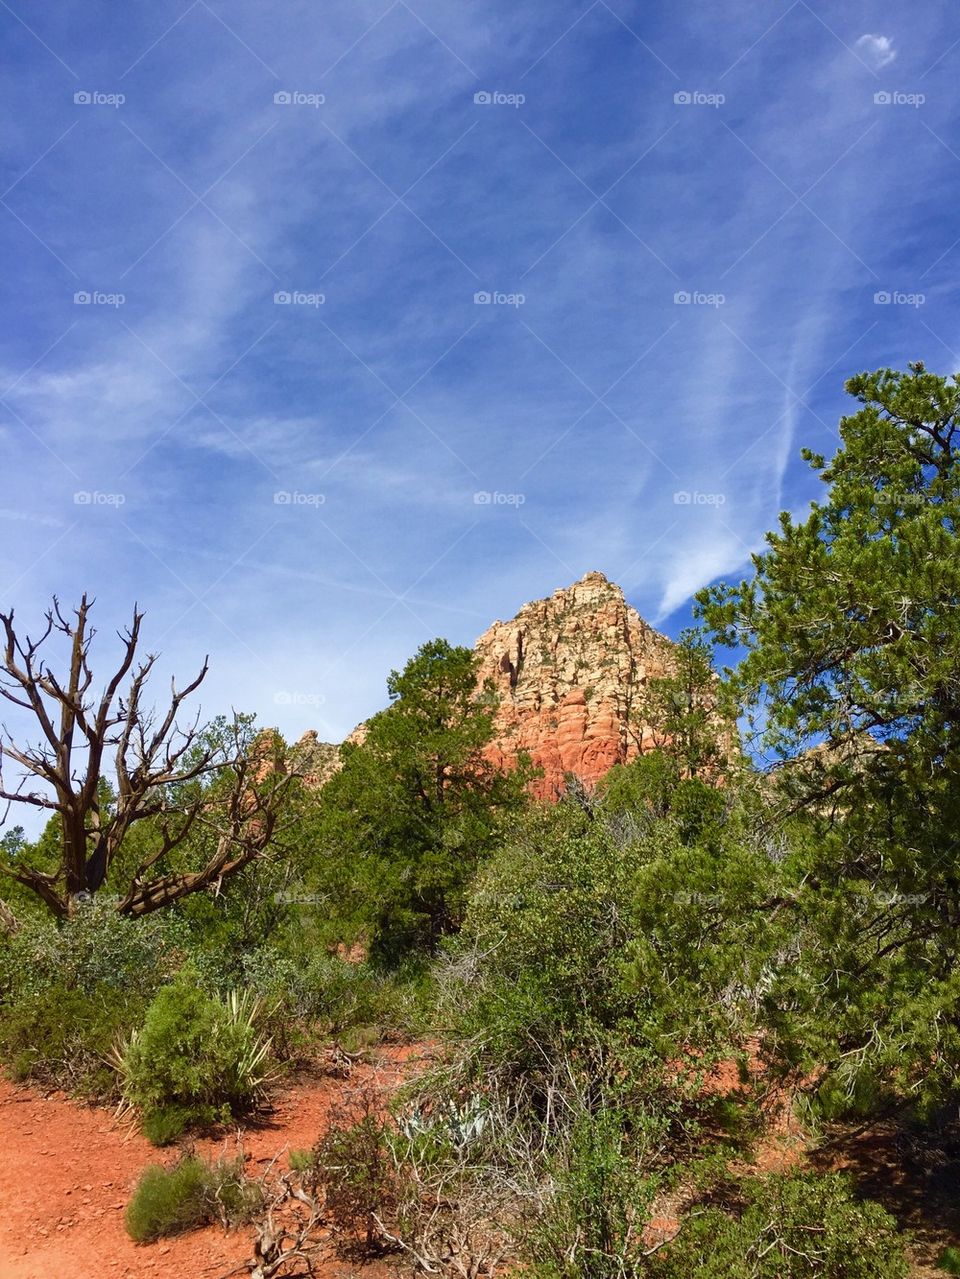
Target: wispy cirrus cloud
(740, 163)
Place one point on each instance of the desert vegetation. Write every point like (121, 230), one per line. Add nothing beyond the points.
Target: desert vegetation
(655, 1006)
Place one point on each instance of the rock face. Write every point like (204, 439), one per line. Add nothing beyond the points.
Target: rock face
(316, 760)
(567, 670)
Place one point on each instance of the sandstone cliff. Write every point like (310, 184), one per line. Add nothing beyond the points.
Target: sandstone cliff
(316, 760)
(567, 670)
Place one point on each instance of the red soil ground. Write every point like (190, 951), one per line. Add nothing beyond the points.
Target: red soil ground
(68, 1172)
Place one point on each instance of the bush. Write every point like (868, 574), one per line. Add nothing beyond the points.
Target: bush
(320, 988)
(310, 995)
(591, 1224)
(69, 990)
(96, 948)
(352, 1162)
(585, 940)
(196, 1061)
(800, 1226)
(190, 1194)
(62, 1036)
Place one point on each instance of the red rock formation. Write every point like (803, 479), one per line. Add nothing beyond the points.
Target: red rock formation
(317, 761)
(567, 670)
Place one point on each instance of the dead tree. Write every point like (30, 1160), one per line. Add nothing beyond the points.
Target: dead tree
(172, 776)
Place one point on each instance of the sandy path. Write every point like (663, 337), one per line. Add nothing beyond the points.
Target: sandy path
(68, 1171)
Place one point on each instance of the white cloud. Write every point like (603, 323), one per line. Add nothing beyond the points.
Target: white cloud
(876, 50)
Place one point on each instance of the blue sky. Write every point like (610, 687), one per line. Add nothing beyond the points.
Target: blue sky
(184, 164)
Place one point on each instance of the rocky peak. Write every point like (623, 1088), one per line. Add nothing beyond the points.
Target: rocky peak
(317, 761)
(567, 670)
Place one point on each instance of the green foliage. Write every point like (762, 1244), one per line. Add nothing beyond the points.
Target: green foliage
(600, 1201)
(788, 1227)
(196, 1060)
(97, 947)
(949, 1260)
(602, 937)
(689, 713)
(353, 1165)
(61, 1037)
(70, 990)
(415, 809)
(192, 1193)
(301, 1161)
(654, 787)
(851, 630)
(332, 995)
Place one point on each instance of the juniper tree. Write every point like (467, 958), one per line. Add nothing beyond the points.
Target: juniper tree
(851, 629)
(417, 804)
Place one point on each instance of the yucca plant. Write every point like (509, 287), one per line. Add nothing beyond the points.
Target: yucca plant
(245, 1014)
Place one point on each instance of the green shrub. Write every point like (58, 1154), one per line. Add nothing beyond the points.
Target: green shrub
(301, 1160)
(590, 1227)
(62, 1036)
(69, 990)
(800, 1226)
(190, 1194)
(949, 1260)
(583, 940)
(353, 1164)
(196, 1060)
(96, 948)
(313, 996)
(163, 1125)
(319, 988)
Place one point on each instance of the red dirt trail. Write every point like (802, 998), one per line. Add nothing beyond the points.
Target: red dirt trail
(68, 1171)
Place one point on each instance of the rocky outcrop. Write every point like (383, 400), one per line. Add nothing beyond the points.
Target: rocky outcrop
(567, 671)
(316, 761)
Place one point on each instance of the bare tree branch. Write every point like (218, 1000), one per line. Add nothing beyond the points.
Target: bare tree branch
(154, 761)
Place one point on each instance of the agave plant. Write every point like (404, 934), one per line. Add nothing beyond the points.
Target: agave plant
(118, 1059)
(460, 1125)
